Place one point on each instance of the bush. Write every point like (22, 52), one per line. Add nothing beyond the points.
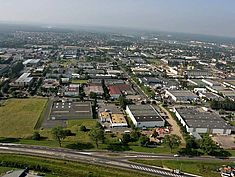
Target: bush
(36, 136)
(83, 128)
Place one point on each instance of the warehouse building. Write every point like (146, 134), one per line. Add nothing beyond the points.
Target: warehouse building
(24, 80)
(72, 90)
(145, 116)
(71, 110)
(32, 62)
(200, 121)
(95, 88)
(181, 95)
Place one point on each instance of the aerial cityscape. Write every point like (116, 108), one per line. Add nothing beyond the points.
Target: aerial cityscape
(86, 96)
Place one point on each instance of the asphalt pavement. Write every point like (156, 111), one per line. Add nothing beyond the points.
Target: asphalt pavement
(93, 157)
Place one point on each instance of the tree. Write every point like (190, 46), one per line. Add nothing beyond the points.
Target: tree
(123, 101)
(83, 128)
(59, 134)
(126, 138)
(106, 90)
(144, 141)
(172, 141)
(208, 145)
(97, 135)
(93, 95)
(135, 136)
(36, 136)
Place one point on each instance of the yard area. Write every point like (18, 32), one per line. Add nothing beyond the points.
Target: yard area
(206, 169)
(19, 116)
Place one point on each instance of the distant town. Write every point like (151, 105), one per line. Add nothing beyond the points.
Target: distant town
(141, 92)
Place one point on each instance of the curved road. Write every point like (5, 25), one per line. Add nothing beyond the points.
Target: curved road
(93, 157)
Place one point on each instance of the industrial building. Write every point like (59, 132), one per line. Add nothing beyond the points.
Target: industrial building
(201, 121)
(118, 120)
(144, 116)
(71, 110)
(32, 62)
(105, 116)
(95, 88)
(181, 95)
(24, 80)
(72, 90)
(117, 90)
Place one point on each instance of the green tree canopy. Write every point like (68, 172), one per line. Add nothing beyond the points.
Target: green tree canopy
(172, 141)
(97, 135)
(207, 144)
(59, 134)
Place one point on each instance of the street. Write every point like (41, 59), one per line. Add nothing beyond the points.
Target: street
(94, 157)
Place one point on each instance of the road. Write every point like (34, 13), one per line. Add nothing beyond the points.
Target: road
(136, 86)
(98, 158)
(175, 128)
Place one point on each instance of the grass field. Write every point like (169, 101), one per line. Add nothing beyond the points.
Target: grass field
(206, 169)
(160, 150)
(19, 116)
(62, 168)
(3, 170)
(77, 81)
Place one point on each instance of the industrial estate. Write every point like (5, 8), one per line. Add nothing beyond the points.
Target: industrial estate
(117, 100)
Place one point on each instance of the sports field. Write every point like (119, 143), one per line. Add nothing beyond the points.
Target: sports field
(18, 117)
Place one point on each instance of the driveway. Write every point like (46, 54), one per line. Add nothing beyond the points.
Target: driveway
(175, 128)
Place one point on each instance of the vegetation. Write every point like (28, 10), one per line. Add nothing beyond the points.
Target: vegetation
(59, 134)
(172, 141)
(60, 168)
(77, 81)
(227, 105)
(36, 136)
(204, 168)
(97, 135)
(106, 95)
(19, 116)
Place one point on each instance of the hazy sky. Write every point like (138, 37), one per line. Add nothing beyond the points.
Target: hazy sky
(216, 17)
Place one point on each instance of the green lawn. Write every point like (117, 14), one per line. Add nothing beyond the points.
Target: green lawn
(77, 81)
(3, 170)
(61, 168)
(19, 116)
(159, 150)
(206, 169)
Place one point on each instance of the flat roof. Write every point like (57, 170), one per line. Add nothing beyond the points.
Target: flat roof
(145, 113)
(182, 93)
(96, 88)
(105, 115)
(24, 78)
(118, 118)
(71, 110)
(196, 118)
(31, 61)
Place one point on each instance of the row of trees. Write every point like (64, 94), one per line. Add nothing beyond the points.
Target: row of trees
(227, 105)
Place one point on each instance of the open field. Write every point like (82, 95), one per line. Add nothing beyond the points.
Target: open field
(206, 169)
(19, 116)
(160, 150)
(61, 168)
(77, 81)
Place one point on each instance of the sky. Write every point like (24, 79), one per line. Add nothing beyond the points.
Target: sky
(214, 17)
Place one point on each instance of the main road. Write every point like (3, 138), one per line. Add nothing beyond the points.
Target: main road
(99, 158)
